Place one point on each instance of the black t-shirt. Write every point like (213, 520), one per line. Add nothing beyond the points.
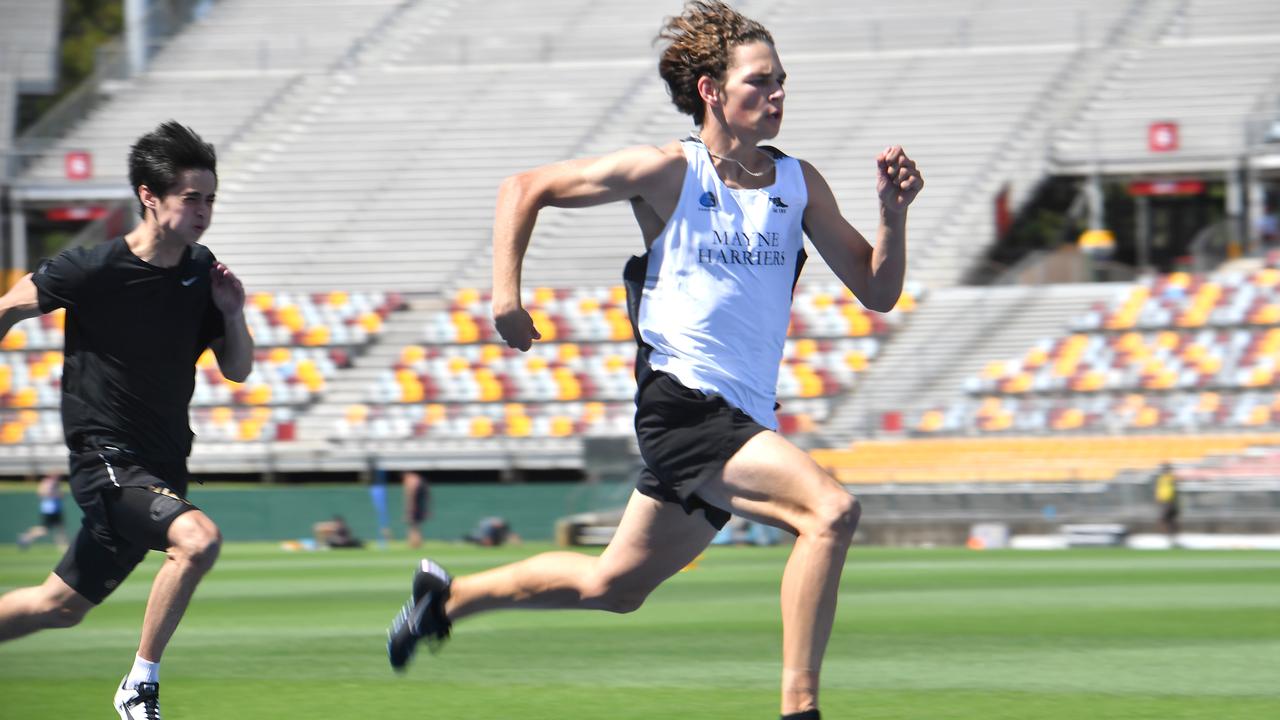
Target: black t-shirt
(133, 334)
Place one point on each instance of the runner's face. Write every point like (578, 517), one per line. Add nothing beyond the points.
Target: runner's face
(752, 89)
(186, 211)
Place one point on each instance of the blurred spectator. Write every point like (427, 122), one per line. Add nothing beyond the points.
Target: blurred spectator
(1267, 227)
(1166, 496)
(492, 532)
(335, 533)
(50, 492)
(417, 505)
(740, 531)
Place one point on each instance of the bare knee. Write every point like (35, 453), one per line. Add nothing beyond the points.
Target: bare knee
(57, 606)
(836, 517)
(196, 540)
(62, 615)
(612, 595)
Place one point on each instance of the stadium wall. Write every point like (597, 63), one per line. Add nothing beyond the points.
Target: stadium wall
(285, 513)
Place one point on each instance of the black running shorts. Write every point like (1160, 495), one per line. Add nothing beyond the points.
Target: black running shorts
(128, 509)
(686, 437)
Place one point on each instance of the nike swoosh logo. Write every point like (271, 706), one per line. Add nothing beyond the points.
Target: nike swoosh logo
(189, 281)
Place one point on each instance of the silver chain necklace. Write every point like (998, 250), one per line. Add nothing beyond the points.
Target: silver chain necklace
(745, 169)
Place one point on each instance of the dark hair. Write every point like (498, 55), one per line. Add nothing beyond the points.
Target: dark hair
(158, 157)
(700, 42)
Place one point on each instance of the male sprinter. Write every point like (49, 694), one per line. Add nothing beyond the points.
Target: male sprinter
(141, 309)
(723, 219)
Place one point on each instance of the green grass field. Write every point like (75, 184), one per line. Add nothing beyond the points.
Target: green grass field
(935, 634)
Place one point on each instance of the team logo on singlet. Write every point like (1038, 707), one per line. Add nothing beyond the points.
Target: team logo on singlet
(778, 205)
(707, 200)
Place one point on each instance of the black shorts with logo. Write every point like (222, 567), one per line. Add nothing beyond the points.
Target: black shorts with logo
(686, 437)
(128, 507)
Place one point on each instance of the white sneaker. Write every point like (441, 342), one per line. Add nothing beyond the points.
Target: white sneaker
(138, 703)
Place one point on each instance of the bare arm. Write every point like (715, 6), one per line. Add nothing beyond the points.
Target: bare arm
(875, 275)
(18, 304)
(234, 350)
(641, 172)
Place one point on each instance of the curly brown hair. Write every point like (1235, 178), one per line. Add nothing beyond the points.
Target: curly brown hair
(700, 42)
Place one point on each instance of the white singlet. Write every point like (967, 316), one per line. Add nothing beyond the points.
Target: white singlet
(717, 289)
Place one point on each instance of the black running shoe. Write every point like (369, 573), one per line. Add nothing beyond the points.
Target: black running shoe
(139, 703)
(422, 617)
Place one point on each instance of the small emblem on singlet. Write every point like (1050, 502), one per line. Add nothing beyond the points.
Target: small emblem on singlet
(190, 281)
(707, 200)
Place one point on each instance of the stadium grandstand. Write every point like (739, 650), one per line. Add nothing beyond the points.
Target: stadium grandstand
(361, 143)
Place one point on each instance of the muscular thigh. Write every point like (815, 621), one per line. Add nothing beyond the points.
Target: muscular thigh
(771, 480)
(654, 541)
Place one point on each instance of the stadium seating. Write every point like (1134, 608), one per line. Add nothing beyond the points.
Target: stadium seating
(302, 340)
(1208, 71)
(1175, 352)
(362, 143)
(580, 377)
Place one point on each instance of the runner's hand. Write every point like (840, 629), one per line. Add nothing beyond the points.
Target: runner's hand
(516, 328)
(898, 182)
(228, 293)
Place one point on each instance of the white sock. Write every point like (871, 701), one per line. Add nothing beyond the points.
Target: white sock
(143, 671)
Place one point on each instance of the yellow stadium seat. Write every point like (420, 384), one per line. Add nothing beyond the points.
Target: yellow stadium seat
(357, 414)
(561, 426)
(249, 430)
(25, 397)
(481, 427)
(434, 413)
(412, 389)
(542, 321)
(490, 354)
(619, 324)
(15, 340)
(465, 327)
(1070, 419)
(371, 322)
(258, 395)
(12, 433)
(519, 426)
(859, 323)
(931, 421)
(318, 335)
(291, 317)
(567, 384)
